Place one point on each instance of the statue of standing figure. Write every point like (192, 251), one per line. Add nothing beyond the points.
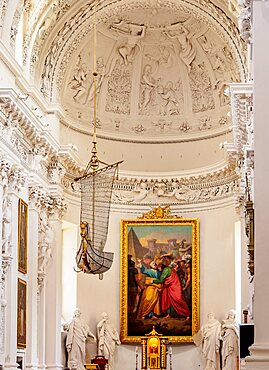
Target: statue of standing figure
(77, 333)
(108, 337)
(230, 335)
(209, 339)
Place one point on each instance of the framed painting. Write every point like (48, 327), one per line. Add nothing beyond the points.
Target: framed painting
(22, 236)
(159, 276)
(21, 314)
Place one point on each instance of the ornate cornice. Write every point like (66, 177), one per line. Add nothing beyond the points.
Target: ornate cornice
(191, 189)
(15, 119)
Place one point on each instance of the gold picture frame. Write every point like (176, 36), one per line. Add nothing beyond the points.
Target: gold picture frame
(21, 313)
(22, 236)
(158, 251)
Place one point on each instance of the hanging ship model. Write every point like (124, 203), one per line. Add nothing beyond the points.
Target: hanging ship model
(96, 190)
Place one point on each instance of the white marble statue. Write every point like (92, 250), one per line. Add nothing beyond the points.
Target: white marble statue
(209, 339)
(107, 337)
(77, 333)
(230, 335)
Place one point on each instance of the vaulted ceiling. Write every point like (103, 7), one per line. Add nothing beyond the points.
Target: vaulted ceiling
(163, 74)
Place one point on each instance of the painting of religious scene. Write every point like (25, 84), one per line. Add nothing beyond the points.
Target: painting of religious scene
(160, 278)
(21, 314)
(22, 236)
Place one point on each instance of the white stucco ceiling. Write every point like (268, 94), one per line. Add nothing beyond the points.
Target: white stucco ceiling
(163, 72)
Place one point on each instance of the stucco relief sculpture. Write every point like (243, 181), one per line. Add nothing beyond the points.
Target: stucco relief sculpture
(6, 223)
(230, 335)
(148, 85)
(208, 339)
(45, 243)
(121, 65)
(77, 334)
(187, 51)
(244, 19)
(108, 337)
(133, 33)
(158, 97)
(140, 193)
(118, 99)
(201, 88)
(82, 80)
(180, 191)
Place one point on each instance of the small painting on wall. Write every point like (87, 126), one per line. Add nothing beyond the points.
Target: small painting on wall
(22, 236)
(21, 314)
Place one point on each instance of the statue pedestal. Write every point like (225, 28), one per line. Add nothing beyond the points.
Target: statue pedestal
(101, 361)
(91, 367)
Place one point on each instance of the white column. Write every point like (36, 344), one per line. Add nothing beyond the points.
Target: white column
(12, 287)
(54, 291)
(31, 350)
(2, 287)
(259, 358)
(41, 330)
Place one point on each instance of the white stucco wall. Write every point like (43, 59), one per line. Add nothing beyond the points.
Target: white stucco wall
(217, 280)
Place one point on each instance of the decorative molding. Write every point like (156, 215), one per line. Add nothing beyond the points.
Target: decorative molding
(159, 213)
(35, 148)
(56, 171)
(3, 10)
(245, 19)
(183, 190)
(242, 148)
(17, 178)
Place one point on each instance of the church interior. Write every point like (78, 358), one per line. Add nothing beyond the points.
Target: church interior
(172, 96)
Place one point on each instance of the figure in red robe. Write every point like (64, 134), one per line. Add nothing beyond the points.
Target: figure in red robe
(172, 300)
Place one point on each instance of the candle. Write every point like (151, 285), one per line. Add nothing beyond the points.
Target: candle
(170, 351)
(136, 350)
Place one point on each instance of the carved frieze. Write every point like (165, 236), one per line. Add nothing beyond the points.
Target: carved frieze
(173, 192)
(187, 190)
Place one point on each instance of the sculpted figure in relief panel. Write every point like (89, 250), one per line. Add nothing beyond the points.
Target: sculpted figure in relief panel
(82, 80)
(133, 33)
(121, 66)
(185, 33)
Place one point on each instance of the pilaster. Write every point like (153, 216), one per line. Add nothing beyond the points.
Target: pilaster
(32, 322)
(56, 208)
(259, 359)
(16, 181)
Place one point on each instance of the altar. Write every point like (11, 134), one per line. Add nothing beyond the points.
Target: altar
(154, 351)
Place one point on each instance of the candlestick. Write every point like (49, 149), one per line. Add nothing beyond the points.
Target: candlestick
(136, 358)
(170, 357)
